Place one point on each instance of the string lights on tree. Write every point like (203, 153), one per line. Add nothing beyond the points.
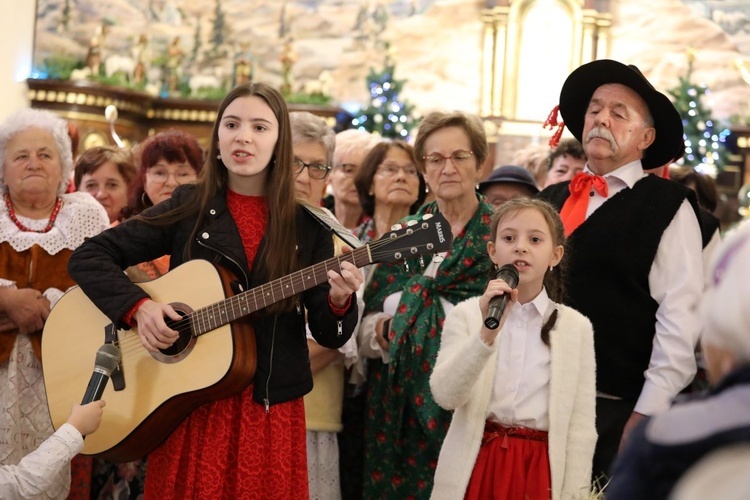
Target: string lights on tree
(386, 114)
(705, 138)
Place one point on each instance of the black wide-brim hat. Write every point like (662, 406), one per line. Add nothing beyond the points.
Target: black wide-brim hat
(582, 83)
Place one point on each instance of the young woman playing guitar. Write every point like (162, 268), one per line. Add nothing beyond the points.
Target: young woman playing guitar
(242, 215)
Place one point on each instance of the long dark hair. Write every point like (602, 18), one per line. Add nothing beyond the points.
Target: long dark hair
(279, 258)
(554, 280)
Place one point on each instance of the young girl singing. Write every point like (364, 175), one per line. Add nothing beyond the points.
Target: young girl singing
(524, 393)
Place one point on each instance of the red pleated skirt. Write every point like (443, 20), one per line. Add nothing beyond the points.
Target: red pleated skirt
(513, 464)
(233, 449)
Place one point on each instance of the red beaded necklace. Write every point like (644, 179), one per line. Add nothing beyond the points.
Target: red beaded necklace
(19, 225)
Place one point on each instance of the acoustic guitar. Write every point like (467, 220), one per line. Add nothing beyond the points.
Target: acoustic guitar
(151, 393)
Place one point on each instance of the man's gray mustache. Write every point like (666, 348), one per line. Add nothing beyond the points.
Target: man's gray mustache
(602, 134)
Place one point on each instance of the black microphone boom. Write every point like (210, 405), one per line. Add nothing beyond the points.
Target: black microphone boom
(509, 274)
(107, 358)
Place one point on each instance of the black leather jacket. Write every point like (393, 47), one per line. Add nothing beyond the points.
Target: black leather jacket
(283, 369)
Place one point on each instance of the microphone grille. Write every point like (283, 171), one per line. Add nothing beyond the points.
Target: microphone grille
(509, 273)
(108, 357)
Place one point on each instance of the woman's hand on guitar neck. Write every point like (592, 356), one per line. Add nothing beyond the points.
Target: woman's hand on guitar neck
(152, 329)
(345, 284)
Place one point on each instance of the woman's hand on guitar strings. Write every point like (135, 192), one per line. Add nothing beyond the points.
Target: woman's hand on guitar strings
(152, 329)
(345, 284)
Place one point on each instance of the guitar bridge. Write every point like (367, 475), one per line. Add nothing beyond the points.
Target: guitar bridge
(117, 377)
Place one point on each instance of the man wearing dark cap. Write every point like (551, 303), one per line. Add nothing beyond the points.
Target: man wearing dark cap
(635, 246)
(507, 182)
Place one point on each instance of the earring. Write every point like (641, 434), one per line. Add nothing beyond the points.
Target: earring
(218, 157)
(551, 268)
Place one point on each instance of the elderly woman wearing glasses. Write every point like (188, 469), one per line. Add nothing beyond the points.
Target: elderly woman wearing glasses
(352, 146)
(405, 427)
(165, 161)
(313, 143)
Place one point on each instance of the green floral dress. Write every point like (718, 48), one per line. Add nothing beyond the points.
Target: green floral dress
(404, 426)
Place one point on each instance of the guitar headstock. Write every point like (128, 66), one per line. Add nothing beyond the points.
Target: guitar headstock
(428, 235)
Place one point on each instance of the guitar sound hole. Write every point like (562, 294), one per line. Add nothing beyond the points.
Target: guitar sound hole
(183, 341)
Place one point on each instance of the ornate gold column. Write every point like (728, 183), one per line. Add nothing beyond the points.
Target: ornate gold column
(504, 22)
(495, 22)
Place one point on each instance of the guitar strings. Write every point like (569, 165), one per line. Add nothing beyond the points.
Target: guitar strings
(133, 343)
(205, 315)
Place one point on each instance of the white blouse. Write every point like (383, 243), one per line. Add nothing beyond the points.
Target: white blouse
(80, 217)
(520, 393)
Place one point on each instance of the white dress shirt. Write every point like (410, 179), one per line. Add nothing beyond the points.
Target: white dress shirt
(676, 283)
(35, 473)
(520, 393)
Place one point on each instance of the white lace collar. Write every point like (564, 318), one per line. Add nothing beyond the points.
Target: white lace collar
(80, 217)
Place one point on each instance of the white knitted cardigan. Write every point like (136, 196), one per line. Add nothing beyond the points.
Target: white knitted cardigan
(462, 381)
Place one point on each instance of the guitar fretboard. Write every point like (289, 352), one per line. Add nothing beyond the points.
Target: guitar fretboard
(220, 313)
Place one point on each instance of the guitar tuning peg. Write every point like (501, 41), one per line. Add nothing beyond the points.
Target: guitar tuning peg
(426, 216)
(412, 222)
(395, 227)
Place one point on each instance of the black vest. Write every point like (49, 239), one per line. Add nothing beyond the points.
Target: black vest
(709, 225)
(609, 260)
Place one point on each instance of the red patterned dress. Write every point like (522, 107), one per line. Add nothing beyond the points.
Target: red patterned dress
(233, 448)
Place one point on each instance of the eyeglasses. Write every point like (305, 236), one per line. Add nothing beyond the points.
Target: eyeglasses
(162, 176)
(314, 170)
(436, 160)
(392, 170)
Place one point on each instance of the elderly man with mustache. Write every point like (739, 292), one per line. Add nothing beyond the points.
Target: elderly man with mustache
(635, 243)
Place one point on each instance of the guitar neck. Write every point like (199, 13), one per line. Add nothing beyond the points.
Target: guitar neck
(220, 313)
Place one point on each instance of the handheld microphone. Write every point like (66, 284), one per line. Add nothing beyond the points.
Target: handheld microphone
(107, 358)
(509, 274)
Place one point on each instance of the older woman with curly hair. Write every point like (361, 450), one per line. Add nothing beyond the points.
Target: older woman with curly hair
(40, 226)
(165, 161)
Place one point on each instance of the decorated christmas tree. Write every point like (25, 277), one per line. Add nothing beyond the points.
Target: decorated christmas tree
(705, 138)
(386, 115)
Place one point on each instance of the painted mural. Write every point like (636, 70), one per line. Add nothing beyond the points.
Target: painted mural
(325, 48)
(200, 48)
